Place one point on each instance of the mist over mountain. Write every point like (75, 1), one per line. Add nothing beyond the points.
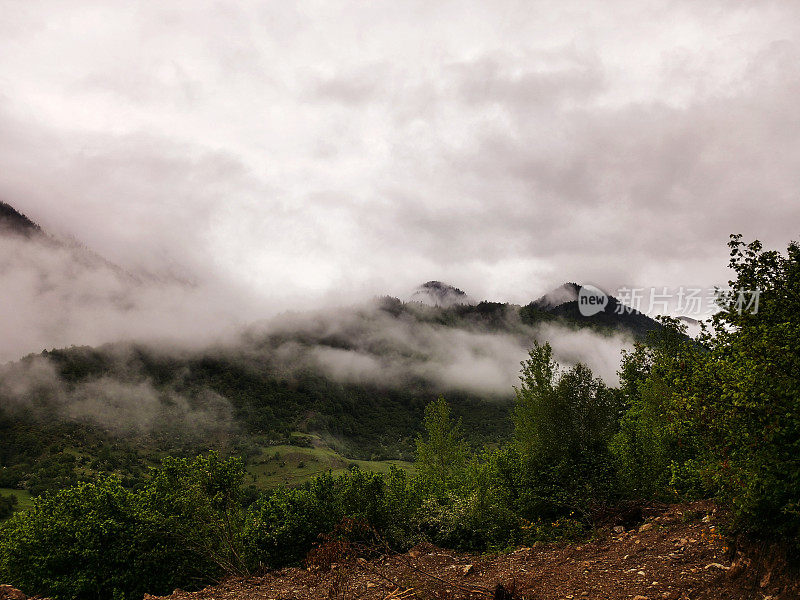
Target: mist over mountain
(286, 283)
(14, 222)
(348, 373)
(357, 376)
(567, 292)
(436, 293)
(564, 302)
(56, 292)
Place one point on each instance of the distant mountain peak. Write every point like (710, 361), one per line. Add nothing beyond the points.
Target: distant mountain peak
(564, 302)
(13, 221)
(437, 293)
(567, 292)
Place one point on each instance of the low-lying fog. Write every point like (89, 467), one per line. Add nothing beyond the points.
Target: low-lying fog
(59, 294)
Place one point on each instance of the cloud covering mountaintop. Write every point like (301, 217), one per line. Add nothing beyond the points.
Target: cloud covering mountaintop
(304, 152)
(56, 292)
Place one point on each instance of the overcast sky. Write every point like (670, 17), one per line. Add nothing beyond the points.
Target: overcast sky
(309, 148)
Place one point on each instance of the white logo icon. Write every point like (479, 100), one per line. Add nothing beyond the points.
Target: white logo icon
(591, 300)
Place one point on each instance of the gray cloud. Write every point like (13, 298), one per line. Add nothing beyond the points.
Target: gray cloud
(281, 156)
(56, 293)
(132, 406)
(364, 344)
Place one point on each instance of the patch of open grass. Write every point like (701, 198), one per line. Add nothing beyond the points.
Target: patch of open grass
(292, 465)
(24, 499)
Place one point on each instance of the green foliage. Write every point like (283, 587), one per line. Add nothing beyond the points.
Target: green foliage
(721, 417)
(563, 422)
(544, 485)
(486, 513)
(561, 415)
(742, 395)
(76, 543)
(284, 525)
(384, 502)
(100, 540)
(643, 448)
(198, 503)
(536, 410)
(442, 453)
(654, 438)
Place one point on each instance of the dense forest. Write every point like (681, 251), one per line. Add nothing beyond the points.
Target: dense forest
(715, 417)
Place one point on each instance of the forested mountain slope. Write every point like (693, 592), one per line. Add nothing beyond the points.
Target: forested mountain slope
(352, 379)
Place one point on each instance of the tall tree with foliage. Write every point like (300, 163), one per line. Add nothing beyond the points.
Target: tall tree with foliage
(563, 421)
(743, 395)
(442, 453)
(561, 414)
(535, 409)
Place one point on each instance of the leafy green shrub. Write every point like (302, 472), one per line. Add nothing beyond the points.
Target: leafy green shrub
(283, 526)
(473, 520)
(564, 529)
(385, 502)
(102, 541)
(83, 542)
(197, 503)
(10, 477)
(693, 478)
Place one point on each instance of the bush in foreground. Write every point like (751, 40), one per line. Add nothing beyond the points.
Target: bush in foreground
(102, 541)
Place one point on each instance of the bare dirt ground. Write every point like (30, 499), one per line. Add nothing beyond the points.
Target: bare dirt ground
(677, 553)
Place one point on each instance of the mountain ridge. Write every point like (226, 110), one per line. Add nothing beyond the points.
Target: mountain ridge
(13, 221)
